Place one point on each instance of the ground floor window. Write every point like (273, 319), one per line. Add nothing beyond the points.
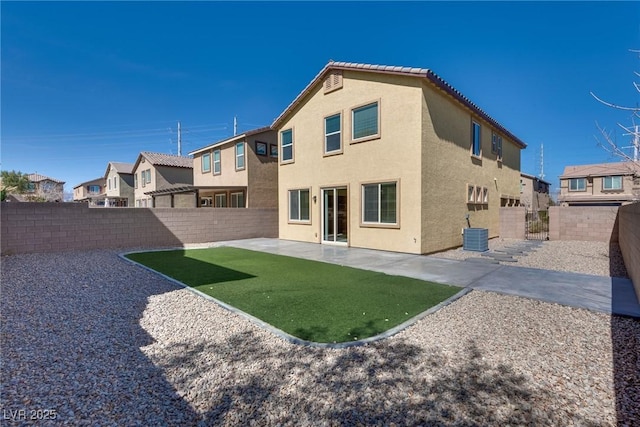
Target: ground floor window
(220, 200)
(379, 203)
(299, 205)
(237, 200)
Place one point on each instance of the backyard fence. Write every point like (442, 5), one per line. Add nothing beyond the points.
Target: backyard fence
(53, 227)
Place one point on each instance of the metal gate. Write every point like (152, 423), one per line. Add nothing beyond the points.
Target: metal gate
(537, 225)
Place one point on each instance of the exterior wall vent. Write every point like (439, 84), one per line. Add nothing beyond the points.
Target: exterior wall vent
(333, 81)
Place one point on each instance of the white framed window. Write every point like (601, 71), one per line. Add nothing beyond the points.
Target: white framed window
(365, 122)
(299, 206)
(240, 156)
(333, 134)
(135, 180)
(577, 184)
(206, 163)
(476, 139)
(109, 184)
(286, 144)
(220, 200)
(148, 176)
(612, 183)
(143, 178)
(237, 200)
(380, 203)
(216, 163)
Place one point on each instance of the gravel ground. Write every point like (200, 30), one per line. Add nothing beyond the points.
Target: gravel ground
(597, 258)
(98, 341)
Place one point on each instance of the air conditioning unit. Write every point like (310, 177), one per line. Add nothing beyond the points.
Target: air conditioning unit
(475, 239)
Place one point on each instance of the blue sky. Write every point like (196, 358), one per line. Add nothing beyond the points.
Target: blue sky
(85, 83)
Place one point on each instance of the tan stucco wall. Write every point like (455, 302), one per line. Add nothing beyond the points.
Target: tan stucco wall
(124, 187)
(448, 167)
(393, 156)
(161, 177)
(594, 188)
(228, 176)
(259, 177)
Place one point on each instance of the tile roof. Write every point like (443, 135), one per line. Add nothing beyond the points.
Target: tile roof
(408, 71)
(36, 177)
(159, 159)
(122, 167)
(601, 169)
(91, 182)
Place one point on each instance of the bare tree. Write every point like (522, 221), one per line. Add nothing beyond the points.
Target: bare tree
(607, 140)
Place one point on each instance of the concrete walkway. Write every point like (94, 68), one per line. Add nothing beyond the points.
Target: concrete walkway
(611, 295)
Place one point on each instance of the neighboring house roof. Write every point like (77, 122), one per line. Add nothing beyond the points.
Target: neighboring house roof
(91, 182)
(159, 159)
(533, 177)
(121, 168)
(601, 169)
(406, 71)
(36, 177)
(232, 139)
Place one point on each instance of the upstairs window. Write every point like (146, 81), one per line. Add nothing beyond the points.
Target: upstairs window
(286, 142)
(333, 134)
(240, 156)
(135, 180)
(115, 182)
(476, 143)
(578, 184)
(496, 145)
(216, 162)
(365, 121)
(206, 163)
(612, 183)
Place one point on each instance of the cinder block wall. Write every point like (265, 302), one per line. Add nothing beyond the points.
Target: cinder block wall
(512, 222)
(588, 223)
(53, 227)
(629, 240)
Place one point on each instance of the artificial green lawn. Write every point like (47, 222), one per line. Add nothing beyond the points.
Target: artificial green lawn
(311, 300)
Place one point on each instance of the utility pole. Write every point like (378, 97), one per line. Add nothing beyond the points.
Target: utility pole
(541, 175)
(235, 125)
(179, 140)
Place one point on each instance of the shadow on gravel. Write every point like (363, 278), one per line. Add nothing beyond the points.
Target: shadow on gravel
(71, 340)
(380, 384)
(625, 337)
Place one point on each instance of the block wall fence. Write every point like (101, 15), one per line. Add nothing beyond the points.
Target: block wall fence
(629, 240)
(620, 226)
(54, 227)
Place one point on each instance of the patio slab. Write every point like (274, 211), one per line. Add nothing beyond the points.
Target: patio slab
(611, 295)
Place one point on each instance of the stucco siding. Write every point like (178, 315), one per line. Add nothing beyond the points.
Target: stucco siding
(262, 173)
(394, 156)
(448, 167)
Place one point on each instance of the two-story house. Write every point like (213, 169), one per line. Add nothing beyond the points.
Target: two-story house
(119, 185)
(534, 193)
(91, 192)
(44, 188)
(157, 173)
(603, 184)
(238, 172)
(391, 158)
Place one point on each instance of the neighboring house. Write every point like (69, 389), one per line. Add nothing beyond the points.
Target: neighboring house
(603, 184)
(119, 185)
(391, 158)
(534, 193)
(45, 189)
(238, 172)
(157, 175)
(91, 192)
